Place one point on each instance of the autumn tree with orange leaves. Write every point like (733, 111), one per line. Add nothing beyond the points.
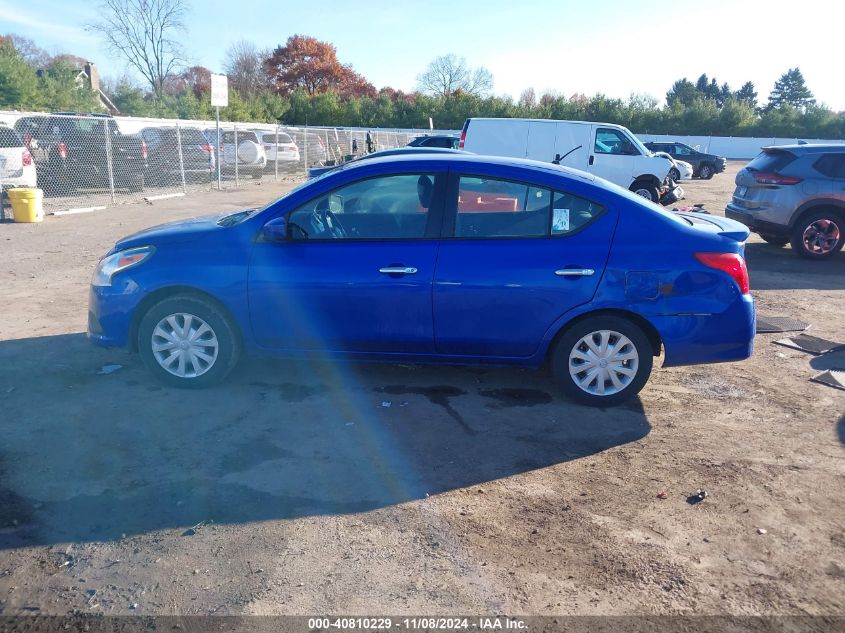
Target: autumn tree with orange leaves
(306, 63)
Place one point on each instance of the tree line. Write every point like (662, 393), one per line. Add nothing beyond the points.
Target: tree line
(302, 81)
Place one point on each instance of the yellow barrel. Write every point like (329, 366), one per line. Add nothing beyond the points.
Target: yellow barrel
(26, 204)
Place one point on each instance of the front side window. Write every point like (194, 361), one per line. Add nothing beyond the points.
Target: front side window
(610, 141)
(384, 208)
(682, 150)
(495, 208)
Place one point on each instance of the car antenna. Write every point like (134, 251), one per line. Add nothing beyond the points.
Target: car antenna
(559, 158)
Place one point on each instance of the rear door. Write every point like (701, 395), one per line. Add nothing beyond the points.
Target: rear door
(514, 258)
(356, 273)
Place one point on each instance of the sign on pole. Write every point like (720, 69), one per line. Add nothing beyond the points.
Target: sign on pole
(219, 91)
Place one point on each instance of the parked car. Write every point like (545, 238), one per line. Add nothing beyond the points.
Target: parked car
(436, 140)
(17, 169)
(603, 149)
(400, 259)
(704, 166)
(73, 151)
(163, 160)
(794, 193)
(279, 146)
(313, 172)
(680, 170)
(249, 154)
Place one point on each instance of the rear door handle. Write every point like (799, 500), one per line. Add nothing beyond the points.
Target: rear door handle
(575, 272)
(398, 270)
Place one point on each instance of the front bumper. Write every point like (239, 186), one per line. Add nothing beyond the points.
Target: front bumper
(110, 311)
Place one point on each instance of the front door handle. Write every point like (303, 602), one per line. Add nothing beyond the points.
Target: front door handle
(575, 272)
(398, 270)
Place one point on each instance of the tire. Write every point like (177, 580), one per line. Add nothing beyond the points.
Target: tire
(248, 151)
(818, 235)
(705, 172)
(163, 323)
(569, 361)
(645, 190)
(775, 240)
(674, 174)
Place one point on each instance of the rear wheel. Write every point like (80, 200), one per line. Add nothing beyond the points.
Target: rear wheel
(188, 342)
(602, 361)
(705, 172)
(818, 235)
(775, 240)
(646, 190)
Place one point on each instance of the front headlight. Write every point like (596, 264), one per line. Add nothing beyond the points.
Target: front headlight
(121, 260)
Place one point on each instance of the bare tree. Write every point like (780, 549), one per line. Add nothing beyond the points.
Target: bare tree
(244, 64)
(449, 74)
(31, 53)
(143, 32)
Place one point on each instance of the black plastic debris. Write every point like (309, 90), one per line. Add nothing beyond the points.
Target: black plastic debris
(766, 324)
(697, 497)
(832, 378)
(810, 344)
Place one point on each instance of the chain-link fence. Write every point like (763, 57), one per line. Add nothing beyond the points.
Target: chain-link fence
(85, 162)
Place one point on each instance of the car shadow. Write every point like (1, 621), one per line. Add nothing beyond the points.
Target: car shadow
(773, 268)
(94, 456)
(840, 429)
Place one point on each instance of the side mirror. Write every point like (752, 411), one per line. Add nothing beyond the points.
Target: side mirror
(275, 230)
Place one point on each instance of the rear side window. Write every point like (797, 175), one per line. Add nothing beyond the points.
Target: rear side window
(494, 208)
(831, 165)
(771, 160)
(9, 138)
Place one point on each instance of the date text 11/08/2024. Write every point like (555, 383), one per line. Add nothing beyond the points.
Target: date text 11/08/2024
(420, 623)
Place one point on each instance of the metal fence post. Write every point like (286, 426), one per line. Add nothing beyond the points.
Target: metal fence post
(276, 162)
(237, 179)
(305, 144)
(181, 158)
(109, 164)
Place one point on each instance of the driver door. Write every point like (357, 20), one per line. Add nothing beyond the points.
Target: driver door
(356, 272)
(613, 156)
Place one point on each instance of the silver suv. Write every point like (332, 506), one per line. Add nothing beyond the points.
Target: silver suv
(796, 194)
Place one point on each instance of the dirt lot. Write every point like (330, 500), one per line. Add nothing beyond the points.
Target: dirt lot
(295, 489)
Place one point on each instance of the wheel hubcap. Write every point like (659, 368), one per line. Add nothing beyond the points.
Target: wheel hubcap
(643, 193)
(603, 363)
(821, 237)
(184, 345)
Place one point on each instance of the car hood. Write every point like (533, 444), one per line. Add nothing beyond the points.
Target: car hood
(170, 232)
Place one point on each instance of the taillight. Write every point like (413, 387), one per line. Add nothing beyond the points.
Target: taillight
(62, 149)
(27, 139)
(730, 263)
(774, 178)
(206, 147)
(26, 158)
(463, 138)
(143, 150)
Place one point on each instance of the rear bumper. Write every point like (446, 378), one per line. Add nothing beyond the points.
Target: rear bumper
(755, 224)
(709, 338)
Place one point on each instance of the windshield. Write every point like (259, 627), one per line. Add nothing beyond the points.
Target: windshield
(299, 187)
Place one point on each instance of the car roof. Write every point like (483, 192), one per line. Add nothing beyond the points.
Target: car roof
(466, 159)
(808, 148)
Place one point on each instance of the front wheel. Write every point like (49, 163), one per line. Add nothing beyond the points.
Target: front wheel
(645, 190)
(602, 361)
(818, 235)
(674, 174)
(705, 172)
(188, 342)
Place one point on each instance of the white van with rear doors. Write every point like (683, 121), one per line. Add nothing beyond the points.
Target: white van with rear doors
(606, 150)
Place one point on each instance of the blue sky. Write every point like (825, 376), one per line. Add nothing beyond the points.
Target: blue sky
(612, 46)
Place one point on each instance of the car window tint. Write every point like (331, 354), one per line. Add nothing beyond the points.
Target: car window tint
(831, 165)
(613, 142)
(681, 150)
(570, 213)
(490, 207)
(771, 160)
(389, 207)
(9, 138)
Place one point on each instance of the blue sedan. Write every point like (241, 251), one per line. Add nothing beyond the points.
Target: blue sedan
(436, 258)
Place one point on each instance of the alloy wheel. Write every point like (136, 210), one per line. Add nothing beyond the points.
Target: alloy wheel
(821, 237)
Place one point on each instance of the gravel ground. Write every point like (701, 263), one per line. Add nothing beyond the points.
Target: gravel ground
(294, 488)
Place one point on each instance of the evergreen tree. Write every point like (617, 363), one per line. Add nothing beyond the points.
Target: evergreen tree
(791, 90)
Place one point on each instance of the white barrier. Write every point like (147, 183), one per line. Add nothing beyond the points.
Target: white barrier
(734, 147)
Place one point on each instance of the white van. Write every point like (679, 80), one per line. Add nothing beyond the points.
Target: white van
(606, 150)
